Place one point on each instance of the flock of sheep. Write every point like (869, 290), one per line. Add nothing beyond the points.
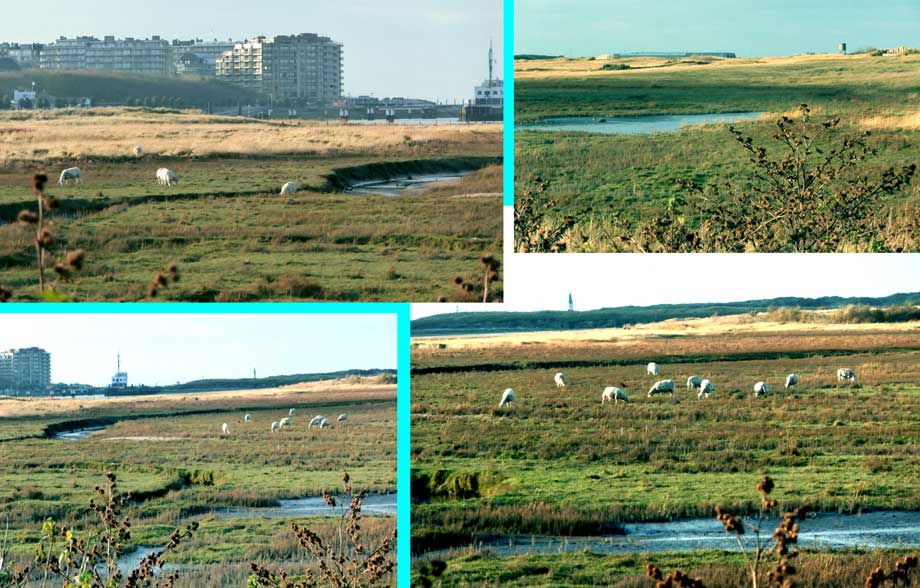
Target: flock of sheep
(318, 421)
(703, 386)
(165, 176)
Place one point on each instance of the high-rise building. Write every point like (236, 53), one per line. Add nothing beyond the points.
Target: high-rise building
(27, 370)
(197, 57)
(303, 67)
(152, 56)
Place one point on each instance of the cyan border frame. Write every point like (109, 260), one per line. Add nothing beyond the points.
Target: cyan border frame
(401, 310)
(508, 55)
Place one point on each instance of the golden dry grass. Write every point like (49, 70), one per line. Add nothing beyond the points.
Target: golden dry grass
(307, 392)
(113, 132)
(909, 121)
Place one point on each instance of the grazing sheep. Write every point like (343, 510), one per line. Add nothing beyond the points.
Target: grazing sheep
(286, 422)
(614, 394)
(846, 374)
(292, 412)
(652, 368)
(325, 424)
(289, 188)
(791, 380)
(166, 177)
(138, 151)
(507, 397)
(276, 426)
(225, 429)
(317, 420)
(662, 386)
(71, 173)
(761, 389)
(559, 378)
(247, 418)
(342, 418)
(693, 382)
(706, 388)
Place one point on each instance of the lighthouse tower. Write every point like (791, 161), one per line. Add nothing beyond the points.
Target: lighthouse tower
(571, 306)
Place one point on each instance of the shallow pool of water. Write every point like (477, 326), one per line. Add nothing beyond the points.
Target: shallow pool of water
(403, 186)
(637, 125)
(78, 434)
(315, 506)
(883, 529)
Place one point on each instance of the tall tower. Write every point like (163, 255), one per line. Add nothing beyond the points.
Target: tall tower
(491, 61)
(571, 306)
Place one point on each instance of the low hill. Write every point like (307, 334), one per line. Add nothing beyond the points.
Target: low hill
(269, 382)
(122, 88)
(509, 322)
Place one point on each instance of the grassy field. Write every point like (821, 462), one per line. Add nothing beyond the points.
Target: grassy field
(169, 452)
(225, 226)
(557, 462)
(592, 176)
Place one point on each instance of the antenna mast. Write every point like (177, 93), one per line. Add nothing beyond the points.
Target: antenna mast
(491, 61)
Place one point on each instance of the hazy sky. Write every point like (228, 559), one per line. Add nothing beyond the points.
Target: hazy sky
(436, 49)
(166, 348)
(746, 27)
(543, 282)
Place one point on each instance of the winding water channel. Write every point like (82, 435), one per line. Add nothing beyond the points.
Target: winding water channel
(636, 125)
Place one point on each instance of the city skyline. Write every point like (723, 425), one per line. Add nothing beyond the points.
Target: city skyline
(773, 28)
(85, 346)
(408, 49)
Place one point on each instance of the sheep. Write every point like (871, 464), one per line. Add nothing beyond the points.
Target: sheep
(289, 188)
(325, 424)
(559, 378)
(166, 177)
(662, 386)
(247, 418)
(652, 369)
(693, 382)
(317, 420)
(138, 151)
(791, 381)
(286, 422)
(846, 374)
(71, 173)
(761, 389)
(292, 412)
(342, 418)
(613, 394)
(276, 426)
(706, 388)
(225, 429)
(507, 397)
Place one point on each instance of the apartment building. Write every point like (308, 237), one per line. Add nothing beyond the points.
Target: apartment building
(152, 56)
(25, 369)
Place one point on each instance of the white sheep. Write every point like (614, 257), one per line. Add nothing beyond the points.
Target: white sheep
(761, 389)
(613, 394)
(846, 374)
(342, 418)
(71, 173)
(693, 382)
(559, 378)
(706, 387)
(317, 420)
(791, 381)
(325, 424)
(286, 422)
(660, 387)
(248, 418)
(289, 188)
(652, 368)
(138, 151)
(276, 426)
(292, 412)
(166, 177)
(225, 429)
(507, 397)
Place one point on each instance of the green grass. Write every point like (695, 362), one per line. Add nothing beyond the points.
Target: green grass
(247, 243)
(558, 459)
(593, 176)
(195, 470)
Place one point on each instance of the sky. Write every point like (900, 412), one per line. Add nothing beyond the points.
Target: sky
(166, 348)
(434, 49)
(750, 28)
(543, 282)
